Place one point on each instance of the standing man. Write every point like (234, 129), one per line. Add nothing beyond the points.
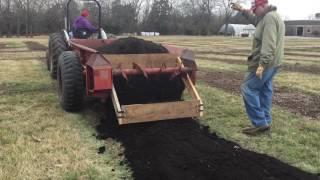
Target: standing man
(263, 63)
(82, 28)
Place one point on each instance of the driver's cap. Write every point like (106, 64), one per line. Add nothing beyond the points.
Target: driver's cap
(256, 3)
(85, 13)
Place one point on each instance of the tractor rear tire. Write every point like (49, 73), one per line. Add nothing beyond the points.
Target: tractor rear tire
(49, 52)
(71, 89)
(57, 45)
(48, 60)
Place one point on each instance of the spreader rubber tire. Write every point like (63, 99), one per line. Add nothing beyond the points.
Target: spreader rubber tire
(57, 46)
(71, 89)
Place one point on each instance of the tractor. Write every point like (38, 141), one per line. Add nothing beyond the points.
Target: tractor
(141, 87)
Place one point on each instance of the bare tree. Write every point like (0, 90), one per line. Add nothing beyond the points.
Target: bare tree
(136, 4)
(8, 17)
(193, 17)
(1, 17)
(206, 9)
(20, 14)
(227, 12)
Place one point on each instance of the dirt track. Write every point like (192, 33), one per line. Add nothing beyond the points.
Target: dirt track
(35, 46)
(183, 149)
(295, 101)
(311, 69)
(2, 46)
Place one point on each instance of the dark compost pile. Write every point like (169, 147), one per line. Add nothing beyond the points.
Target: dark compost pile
(132, 45)
(139, 89)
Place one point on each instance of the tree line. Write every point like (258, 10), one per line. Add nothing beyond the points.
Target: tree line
(169, 17)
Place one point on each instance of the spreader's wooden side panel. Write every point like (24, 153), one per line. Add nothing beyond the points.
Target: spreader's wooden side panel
(139, 113)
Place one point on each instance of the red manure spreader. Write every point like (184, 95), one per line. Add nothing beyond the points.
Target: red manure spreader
(145, 81)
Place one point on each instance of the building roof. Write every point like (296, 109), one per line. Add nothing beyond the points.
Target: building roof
(302, 22)
(249, 27)
(236, 28)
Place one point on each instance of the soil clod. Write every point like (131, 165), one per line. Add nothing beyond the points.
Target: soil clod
(101, 150)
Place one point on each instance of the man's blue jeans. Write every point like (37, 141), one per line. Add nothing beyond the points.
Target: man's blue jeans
(257, 96)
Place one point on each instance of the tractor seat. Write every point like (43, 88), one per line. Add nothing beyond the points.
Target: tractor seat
(81, 33)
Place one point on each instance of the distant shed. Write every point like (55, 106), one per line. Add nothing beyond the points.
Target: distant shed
(305, 28)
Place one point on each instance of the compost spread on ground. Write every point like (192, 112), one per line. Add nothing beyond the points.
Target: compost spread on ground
(184, 149)
(139, 89)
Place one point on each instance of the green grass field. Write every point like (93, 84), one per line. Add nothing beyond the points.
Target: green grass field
(38, 140)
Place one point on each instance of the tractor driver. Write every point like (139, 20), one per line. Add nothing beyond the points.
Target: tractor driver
(82, 28)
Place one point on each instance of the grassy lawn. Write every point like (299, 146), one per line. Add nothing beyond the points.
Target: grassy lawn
(38, 140)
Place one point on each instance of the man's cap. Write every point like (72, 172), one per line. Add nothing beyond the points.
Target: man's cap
(256, 3)
(85, 13)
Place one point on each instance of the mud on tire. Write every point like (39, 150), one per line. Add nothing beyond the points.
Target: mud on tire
(70, 82)
(57, 45)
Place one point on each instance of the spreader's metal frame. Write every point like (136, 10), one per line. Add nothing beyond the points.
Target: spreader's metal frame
(100, 69)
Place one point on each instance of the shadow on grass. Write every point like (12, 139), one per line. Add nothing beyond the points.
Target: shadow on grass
(184, 149)
(24, 59)
(25, 87)
(20, 51)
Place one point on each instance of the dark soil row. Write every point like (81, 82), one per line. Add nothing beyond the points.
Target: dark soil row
(185, 150)
(35, 46)
(310, 69)
(2, 46)
(294, 100)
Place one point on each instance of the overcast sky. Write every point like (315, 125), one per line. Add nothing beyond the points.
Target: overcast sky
(296, 9)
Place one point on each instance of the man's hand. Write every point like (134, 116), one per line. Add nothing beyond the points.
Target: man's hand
(236, 6)
(259, 71)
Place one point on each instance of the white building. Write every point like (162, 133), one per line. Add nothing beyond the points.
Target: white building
(240, 30)
(150, 34)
